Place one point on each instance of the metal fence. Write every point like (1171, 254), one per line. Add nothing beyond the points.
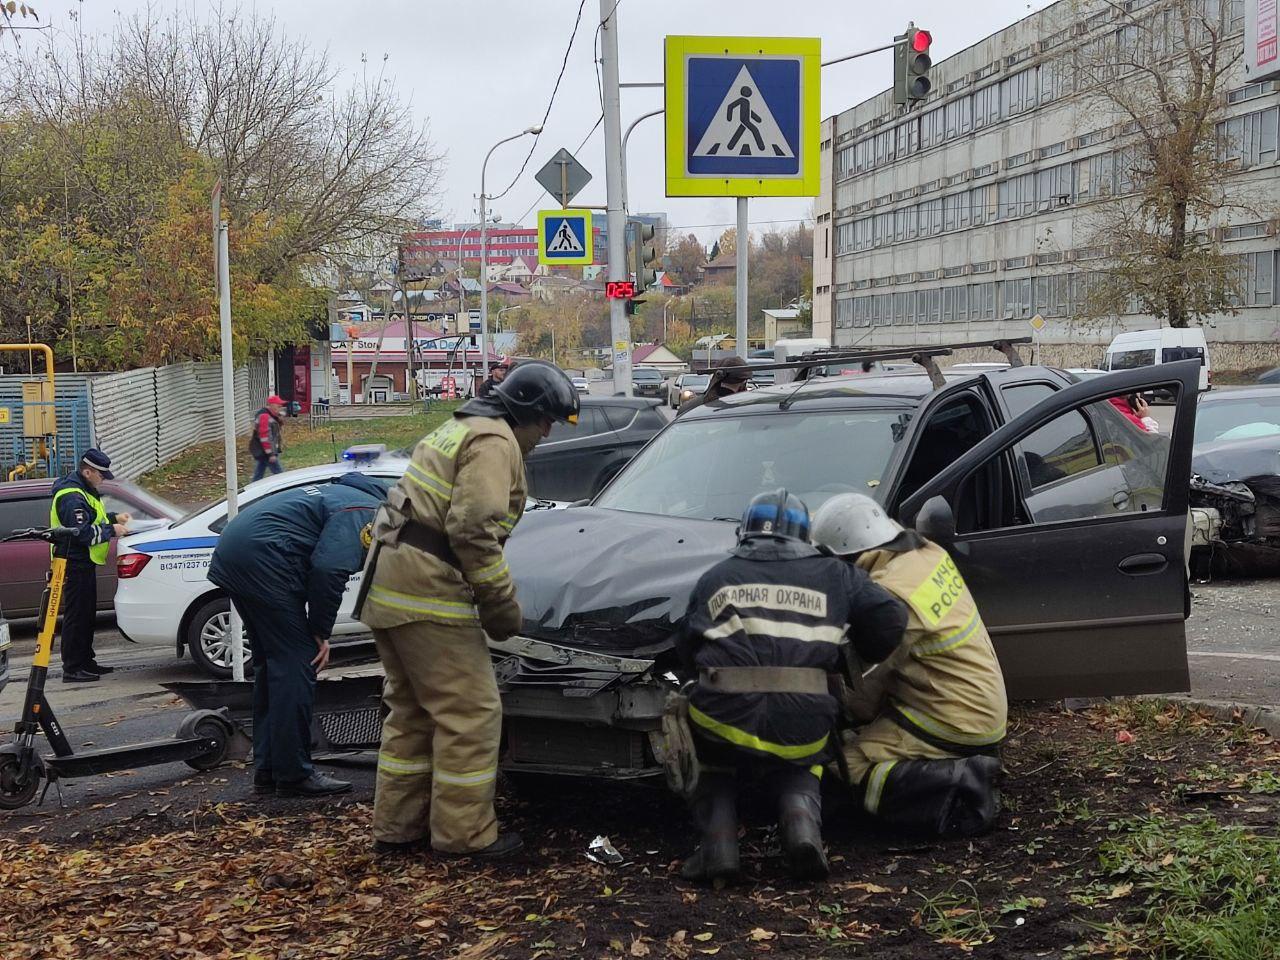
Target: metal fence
(143, 418)
(75, 427)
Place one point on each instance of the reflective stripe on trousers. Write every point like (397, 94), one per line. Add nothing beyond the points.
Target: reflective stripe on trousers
(397, 766)
(464, 613)
(749, 741)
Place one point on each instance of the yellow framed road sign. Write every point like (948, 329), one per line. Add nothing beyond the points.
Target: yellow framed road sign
(743, 115)
(565, 237)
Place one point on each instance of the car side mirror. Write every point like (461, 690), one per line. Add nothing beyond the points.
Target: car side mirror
(936, 522)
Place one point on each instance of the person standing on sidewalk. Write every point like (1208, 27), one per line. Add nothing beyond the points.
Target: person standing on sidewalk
(435, 585)
(264, 442)
(77, 504)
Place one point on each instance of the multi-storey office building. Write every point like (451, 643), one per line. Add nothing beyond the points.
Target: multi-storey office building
(981, 207)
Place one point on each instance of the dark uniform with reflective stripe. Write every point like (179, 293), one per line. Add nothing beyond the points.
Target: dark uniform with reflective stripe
(780, 604)
(76, 504)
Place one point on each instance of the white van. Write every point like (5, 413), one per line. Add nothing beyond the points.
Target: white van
(1145, 348)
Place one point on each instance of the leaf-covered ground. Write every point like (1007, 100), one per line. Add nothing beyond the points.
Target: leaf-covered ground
(1134, 829)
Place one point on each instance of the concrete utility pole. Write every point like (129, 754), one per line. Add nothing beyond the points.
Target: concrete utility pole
(619, 325)
(222, 260)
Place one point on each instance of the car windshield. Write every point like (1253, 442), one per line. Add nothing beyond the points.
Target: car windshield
(709, 468)
(695, 383)
(649, 374)
(1238, 419)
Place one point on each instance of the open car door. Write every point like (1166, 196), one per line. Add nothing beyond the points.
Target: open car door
(1081, 577)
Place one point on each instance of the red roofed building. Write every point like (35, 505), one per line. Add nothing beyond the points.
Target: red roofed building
(656, 355)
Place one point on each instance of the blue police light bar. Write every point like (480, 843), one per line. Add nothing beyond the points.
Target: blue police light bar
(364, 452)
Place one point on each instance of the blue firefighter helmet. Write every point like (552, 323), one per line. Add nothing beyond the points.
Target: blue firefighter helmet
(775, 514)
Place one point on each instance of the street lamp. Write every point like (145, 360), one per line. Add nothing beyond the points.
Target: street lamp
(484, 248)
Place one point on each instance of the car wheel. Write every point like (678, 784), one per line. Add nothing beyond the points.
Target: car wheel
(208, 639)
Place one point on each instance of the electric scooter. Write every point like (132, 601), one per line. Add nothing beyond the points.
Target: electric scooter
(205, 738)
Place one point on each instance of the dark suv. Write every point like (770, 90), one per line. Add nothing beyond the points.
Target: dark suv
(648, 382)
(1066, 517)
(576, 461)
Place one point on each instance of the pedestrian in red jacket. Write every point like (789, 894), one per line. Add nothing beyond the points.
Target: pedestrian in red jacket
(264, 441)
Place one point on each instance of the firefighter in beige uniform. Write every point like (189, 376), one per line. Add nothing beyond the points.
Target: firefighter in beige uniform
(437, 584)
(930, 718)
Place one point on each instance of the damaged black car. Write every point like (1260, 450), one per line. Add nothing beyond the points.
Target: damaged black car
(1235, 483)
(1068, 520)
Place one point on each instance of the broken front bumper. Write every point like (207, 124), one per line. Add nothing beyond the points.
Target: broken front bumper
(566, 712)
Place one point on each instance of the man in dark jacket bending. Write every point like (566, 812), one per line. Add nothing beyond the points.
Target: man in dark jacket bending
(285, 561)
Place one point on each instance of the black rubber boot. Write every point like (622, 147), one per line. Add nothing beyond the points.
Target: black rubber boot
(507, 845)
(800, 825)
(715, 810)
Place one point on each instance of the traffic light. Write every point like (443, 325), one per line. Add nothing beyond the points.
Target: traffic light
(644, 263)
(911, 63)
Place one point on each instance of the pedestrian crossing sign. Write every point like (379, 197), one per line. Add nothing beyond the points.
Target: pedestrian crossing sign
(742, 116)
(564, 237)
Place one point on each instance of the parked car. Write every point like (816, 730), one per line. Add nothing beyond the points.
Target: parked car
(1067, 520)
(23, 564)
(582, 385)
(1235, 484)
(764, 377)
(575, 462)
(647, 382)
(1272, 376)
(685, 387)
(165, 597)
(1142, 348)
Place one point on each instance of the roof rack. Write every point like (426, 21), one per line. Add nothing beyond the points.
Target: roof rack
(924, 356)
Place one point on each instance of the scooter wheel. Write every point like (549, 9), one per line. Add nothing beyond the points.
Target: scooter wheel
(17, 786)
(213, 726)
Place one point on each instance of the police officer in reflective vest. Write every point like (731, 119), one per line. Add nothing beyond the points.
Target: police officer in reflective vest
(78, 504)
(437, 584)
(765, 630)
(931, 718)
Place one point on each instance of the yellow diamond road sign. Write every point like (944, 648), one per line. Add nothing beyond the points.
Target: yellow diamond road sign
(742, 116)
(564, 237)
(1037, 322)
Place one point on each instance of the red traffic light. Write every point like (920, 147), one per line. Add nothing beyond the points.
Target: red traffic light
(921, 40)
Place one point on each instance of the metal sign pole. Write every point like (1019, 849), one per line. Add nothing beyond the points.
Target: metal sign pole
(619, 325)
(743, 248)
(229, 424)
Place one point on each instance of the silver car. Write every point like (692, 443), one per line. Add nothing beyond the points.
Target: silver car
(685, 387)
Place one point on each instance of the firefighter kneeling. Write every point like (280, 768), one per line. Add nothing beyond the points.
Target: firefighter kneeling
(765, 630)
(931, 718)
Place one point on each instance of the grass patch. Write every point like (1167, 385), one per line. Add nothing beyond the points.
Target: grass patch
(1209, 891)
(197, 475)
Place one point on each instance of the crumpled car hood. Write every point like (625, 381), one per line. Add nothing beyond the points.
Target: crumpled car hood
(608, 580)
(1222, 461)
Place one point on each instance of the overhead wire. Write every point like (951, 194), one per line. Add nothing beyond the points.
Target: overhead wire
(564, 63)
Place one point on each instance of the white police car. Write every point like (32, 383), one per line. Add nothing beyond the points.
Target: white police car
(164, 596)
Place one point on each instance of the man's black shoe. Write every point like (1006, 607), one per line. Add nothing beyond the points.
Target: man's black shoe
(316, 785)
(79, 676)
(507, 845)
(99, 669)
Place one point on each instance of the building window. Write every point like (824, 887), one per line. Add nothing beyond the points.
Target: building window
(1017, 298)
(985, 170)
(1018, 93)
(1251, 139)
(1053, 150)
(1017, 263)
(1043, 259)
(1244, 231)
(1251, 91)
(953, 271)
(983, 266)
(1257, 283)
(1019, 160)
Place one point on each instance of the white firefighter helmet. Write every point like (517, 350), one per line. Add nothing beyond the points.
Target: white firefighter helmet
(850, 523)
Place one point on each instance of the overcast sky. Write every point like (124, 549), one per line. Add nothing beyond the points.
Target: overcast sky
(480, 70)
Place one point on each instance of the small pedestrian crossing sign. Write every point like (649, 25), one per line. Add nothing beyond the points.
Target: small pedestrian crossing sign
(564, 237)
(742, 116)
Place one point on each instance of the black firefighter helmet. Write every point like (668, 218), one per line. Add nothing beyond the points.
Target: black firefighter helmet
(536, 389)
